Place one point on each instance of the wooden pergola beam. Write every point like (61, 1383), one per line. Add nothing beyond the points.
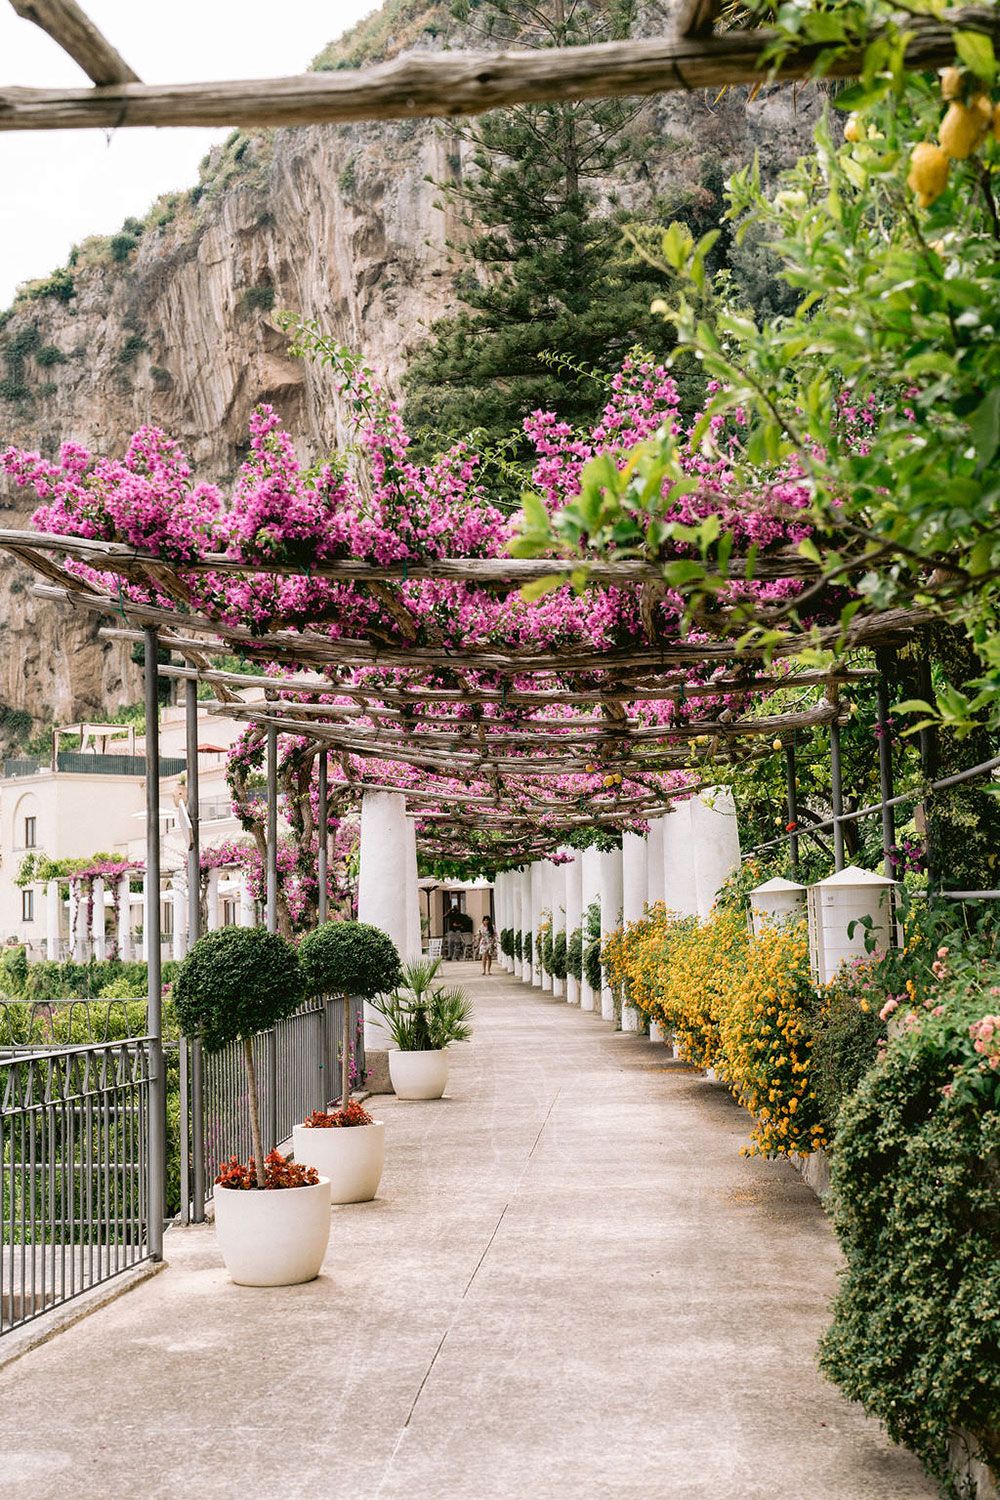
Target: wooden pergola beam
(76, 34)
(445, 84)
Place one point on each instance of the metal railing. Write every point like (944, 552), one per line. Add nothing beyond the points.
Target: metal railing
(297, 1064)
(74, 1176)
(85, 763)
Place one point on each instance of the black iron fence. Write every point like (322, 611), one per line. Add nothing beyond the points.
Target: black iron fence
(297, 1064)
(76, 1129)
(74, 1177)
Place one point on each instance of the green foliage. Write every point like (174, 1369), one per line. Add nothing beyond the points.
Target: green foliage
(348, 958)
(133, 346)
(60, 286)
(49, 354)
(574, 954)
(51, 980)
(423, 1015)
(235, 982)
(916, 1185)
(13, 969)
(845, 1044)
(526, 940)
(591, 941)
(518, 945)
(507, 942)
(545, 943)
(121, 247)
(558, 960)
(257, 299)
(545, 269)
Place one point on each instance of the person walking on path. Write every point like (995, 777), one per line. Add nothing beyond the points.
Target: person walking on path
(486, 943)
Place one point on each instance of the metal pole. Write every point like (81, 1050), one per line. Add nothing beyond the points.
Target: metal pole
(322, 860)
(791, 786)
(272, 828)
(836, 795)
(271, 1036)
(885, 759)
(197, 1111)
(928, 758)
(154, 1007)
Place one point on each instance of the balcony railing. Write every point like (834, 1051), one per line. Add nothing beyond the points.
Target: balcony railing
(92, 765)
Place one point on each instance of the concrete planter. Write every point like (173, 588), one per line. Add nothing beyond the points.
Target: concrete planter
(352, 1156)
(273, 1238)
(419, 1075)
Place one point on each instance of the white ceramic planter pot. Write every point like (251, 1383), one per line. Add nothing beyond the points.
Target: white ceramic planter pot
(419, 1075)
(352, 1156)
(275, 1238)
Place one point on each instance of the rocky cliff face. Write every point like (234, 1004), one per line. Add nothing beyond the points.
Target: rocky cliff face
(171, 322)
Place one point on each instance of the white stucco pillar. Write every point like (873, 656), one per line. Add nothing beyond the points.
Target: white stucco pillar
(679, 889)
(611, 914)
(523, 897)
(654, 862)
(634, 875)
(145, 918)
(573, 903)
(97, 919)
(716, 843)
(124, 943)
(538, 894)
(78, 923)
(178, 899)
(212, 901)
(557, 899)
(53, 918)
(413, 948)
(591, 892)
(248, 906)
(382, 884)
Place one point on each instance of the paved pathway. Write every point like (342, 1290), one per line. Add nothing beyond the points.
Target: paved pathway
(573, 1287)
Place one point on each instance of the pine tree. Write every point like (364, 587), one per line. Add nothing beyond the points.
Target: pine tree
(545, 270)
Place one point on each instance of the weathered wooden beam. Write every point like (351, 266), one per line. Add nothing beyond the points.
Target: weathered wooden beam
(445, 84)
(77, 35)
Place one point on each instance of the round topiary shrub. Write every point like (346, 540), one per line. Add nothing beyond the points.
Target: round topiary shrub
(349, 958)
(236, 982)
(558, 965)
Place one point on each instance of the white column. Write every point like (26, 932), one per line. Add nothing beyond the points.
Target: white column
(77, 923)
(178, 899)
(716, 843)
(523, 898)
(654, 859)
(144, 949)
(125, 919)
(382, 884)
(611, 914)
(679, 890)
(538, 891)
(248, 906)
(212, 902)
(573, 902)
(547, 871)
(53, 913)
(412, 951)
(591, 884)
(97, 919)
(557, 897)
(634, 864)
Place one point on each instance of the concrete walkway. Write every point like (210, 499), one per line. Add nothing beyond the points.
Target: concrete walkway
(573, 1287)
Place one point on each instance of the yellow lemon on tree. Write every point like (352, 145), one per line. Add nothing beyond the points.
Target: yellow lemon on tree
(928, 176)
(854, 131)
(961, 131)
(996, 122)
(951, 83)
(775, 744)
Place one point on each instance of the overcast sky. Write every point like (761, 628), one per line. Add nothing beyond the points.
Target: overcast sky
(59, 186)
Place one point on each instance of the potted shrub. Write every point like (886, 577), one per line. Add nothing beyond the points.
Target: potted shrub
(272, 1216)
(423, 1017)
(344, 959)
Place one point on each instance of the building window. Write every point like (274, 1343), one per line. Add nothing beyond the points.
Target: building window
(28, 902)
(166, 919)
(29, 833)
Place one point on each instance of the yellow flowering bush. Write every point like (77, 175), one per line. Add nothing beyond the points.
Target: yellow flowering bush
(636, 961)
(707, 960)
(766, 1041)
